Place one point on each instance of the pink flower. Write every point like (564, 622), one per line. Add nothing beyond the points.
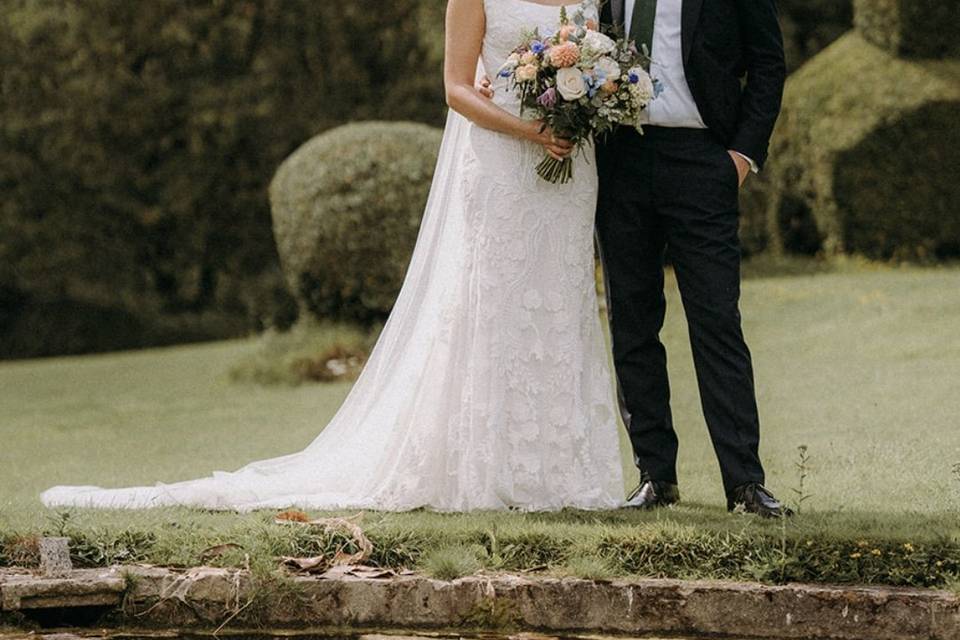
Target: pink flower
(548, 98)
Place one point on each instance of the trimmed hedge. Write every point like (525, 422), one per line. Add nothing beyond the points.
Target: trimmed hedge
(921, 28)
(862, 157)
(810, 25)
(346, 212)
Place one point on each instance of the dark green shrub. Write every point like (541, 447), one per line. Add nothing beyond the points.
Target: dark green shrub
(863, 155)
(810, 25)
(137, 141)
(921, 28)
(346, 212)
(889, 210)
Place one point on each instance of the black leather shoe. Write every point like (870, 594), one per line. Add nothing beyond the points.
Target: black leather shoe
(753, 497)
(652, 494)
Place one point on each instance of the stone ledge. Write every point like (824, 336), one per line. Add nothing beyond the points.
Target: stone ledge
(206, 597)
(20, 590)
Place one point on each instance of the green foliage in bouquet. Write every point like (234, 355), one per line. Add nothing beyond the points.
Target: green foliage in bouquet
(346, 212)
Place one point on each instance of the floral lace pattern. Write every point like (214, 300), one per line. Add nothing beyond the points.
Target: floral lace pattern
(489, 387)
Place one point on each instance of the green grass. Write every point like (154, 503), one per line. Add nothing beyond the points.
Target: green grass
(860, 364)
(300, 354)
(453, 561)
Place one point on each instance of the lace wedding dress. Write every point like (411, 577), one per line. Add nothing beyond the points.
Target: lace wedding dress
(489, 387)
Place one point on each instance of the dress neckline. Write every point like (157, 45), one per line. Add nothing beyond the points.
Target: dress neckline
(550, 6)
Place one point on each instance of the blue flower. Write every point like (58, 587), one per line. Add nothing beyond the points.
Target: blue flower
(537, 47)
(593, 84)
(506, 73)
(634, 78)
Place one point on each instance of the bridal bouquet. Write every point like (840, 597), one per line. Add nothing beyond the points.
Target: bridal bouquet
(579, 82)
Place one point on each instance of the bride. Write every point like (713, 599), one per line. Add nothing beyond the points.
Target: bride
(489, 387)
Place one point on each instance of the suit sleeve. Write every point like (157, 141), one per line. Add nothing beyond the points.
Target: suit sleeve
(766, 74)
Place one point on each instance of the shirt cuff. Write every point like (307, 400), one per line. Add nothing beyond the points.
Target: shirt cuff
(753, 165)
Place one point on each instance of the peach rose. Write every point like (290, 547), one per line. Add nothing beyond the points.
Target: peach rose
(609, 87)
(526, 73)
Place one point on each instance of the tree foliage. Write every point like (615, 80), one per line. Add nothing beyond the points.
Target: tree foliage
(138, 139)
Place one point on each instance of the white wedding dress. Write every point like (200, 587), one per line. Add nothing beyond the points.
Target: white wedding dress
(489, 387)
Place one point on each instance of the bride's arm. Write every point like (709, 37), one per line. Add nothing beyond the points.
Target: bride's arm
(465, 29)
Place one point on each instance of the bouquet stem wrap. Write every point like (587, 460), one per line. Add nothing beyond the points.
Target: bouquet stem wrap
(554, 170)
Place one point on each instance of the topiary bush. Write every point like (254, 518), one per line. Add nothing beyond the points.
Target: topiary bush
(862, 156)
(810, 25)
(346, 211)
(920, 28)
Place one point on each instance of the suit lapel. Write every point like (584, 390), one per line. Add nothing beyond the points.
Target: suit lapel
(691, 16)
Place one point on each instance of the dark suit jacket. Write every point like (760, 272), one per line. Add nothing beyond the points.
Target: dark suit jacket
(725, 41)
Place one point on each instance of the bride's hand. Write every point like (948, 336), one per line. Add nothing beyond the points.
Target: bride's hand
(556, 147)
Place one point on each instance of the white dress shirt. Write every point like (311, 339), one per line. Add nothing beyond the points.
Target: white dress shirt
(675, 106)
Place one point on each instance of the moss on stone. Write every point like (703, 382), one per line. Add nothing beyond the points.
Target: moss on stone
(346, 211)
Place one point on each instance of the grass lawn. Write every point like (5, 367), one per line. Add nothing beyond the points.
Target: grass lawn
(861, 365)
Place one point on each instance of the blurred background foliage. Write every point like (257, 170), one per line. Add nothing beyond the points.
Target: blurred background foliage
(138, 140)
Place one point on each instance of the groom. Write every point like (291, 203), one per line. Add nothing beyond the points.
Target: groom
(674, 191)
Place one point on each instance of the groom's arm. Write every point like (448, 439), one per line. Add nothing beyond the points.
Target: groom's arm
(766, 74)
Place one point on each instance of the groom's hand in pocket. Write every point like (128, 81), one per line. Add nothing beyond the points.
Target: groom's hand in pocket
(485, 87)
(743, 166)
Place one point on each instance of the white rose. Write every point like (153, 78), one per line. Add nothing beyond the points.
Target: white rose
(570, 83)
(509, 65)
(598, 42)
(608, 67)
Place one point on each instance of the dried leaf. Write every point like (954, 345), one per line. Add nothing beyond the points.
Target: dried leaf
(316, 564)
(358, 571)
(292, 516)
(347, 525)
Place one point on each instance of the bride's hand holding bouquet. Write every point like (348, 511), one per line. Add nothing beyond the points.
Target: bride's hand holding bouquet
(577, 83)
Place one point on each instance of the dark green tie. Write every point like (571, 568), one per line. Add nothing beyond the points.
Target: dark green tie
(641, 23)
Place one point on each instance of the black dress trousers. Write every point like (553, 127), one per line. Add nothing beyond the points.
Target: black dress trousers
(675, 191)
